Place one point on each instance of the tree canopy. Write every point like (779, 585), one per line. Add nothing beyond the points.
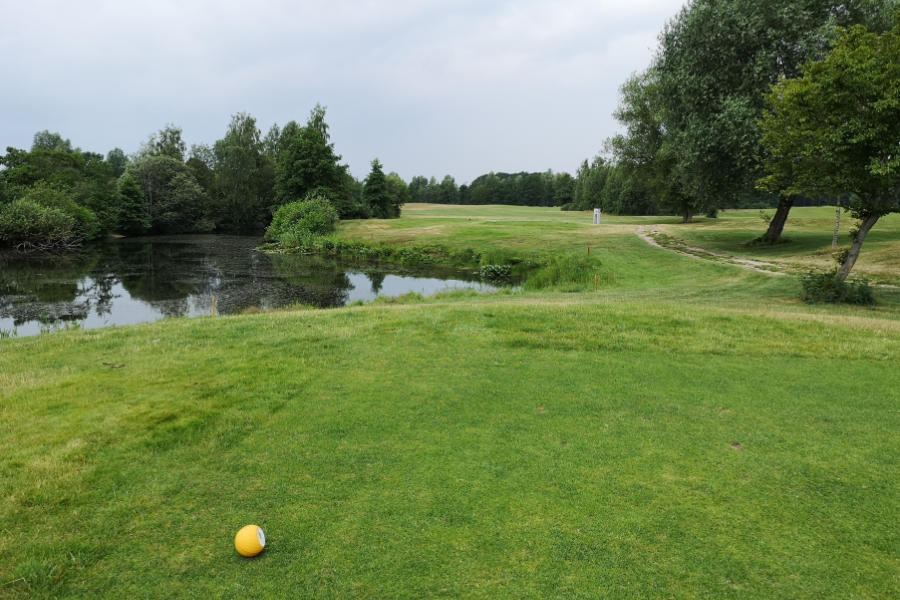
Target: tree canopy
(692, 119)
(835, 129)
(244, 178)
(307, 160)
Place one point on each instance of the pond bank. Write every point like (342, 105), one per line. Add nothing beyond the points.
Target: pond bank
(138, 280)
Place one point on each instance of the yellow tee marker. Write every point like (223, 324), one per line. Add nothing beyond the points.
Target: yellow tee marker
(250, 540)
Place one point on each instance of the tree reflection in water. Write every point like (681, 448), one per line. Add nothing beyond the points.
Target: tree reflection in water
(135, 280)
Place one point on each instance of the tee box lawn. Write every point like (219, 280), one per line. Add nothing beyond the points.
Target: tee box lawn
(689, 429)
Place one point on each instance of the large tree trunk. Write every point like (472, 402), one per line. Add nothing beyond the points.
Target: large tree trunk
(686, 216)
(776, 225)
(858, 240)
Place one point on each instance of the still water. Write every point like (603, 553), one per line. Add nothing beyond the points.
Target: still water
(137, 280)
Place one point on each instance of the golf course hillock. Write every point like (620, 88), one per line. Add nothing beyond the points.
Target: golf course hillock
(633, 421)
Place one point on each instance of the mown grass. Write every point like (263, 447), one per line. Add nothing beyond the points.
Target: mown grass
(807, 240)
(687, 430)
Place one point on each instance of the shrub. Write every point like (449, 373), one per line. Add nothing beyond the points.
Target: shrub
(826, 287)
(87, 225)
(497, 273)
(38, 222)
(567, 272)
(296, 222)
(28, 224)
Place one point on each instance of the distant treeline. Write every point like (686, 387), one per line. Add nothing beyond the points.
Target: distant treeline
(597, 184)
(521, 189)
(56, 196)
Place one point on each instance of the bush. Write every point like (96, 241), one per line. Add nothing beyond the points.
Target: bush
(28, 224)
(496, 273)
(826, 287)
(297, 222)
(87, 225)
(82, 223)
(566, 272)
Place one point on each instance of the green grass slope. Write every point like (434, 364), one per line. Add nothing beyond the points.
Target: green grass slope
(689, 430)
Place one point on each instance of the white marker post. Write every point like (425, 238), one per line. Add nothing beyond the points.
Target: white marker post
(597, 216)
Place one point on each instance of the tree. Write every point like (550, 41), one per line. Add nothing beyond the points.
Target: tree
(715, 62)
(117, 162)
(85, 177)
(449, 193)
(417, 187)
(244, 177)
(593, 183)
(563, 189)
(356, 190)
(133, 216)
(835, 130)
(289, 132)
(184, 210)
(58, 168)
(271, 142)
(645, 155)
(530, 189)
(205, 154)
(376, 192)
(306, 160)
(625, 194)
(96, 190)
(397, 191)
(44, 140)
(166, 142)
(174, 200)
(205, 176)
(465, 196)
(587, 187)
(432, 192)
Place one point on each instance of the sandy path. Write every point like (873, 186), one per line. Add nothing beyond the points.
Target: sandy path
(649, 236)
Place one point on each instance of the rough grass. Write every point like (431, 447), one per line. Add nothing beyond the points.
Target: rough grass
(688, 430)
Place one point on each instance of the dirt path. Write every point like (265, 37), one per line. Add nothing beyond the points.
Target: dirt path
(656, 238)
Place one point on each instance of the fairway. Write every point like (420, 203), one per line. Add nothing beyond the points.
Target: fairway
(686, 429)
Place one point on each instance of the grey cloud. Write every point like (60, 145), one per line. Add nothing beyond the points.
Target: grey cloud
(429, 87)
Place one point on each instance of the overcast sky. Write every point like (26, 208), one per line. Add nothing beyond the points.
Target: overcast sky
(430, 87)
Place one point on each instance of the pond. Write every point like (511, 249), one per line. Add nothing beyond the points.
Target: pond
(138, 280)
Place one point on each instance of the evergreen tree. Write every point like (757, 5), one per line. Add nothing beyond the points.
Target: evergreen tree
(376, 192)
(306, 160)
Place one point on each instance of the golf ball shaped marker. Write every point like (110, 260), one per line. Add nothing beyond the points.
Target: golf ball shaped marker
(250, 540)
